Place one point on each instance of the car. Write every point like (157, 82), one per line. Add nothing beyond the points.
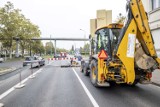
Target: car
(27, 60)
(34, 61)
(85, 67)
(1, 60)
(79, 57)
(57, 56)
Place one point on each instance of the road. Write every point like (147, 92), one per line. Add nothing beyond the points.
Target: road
(15, 64)
(54, 86)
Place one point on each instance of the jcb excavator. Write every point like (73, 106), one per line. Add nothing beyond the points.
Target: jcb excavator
(123, 54)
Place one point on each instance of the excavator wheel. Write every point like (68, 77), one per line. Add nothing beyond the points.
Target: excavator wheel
(134, 83)
(94, 73)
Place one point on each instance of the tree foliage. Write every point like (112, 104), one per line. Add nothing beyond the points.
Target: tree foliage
(49, 47)
(85, 49)
(120, 19)
(14, 24)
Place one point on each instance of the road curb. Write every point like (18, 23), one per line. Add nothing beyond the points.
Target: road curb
(154, 83)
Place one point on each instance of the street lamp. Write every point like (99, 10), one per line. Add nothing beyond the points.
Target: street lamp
(84, 35)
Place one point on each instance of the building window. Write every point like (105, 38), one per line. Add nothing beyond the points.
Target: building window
(153, 4)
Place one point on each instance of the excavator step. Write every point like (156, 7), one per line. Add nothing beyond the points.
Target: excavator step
(106, 84)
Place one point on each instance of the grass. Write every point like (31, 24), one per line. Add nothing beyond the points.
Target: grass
(47, 56)
(2, 69)
(14, 59)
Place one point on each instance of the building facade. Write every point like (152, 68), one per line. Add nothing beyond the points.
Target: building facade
(152, 7)
(104, 18)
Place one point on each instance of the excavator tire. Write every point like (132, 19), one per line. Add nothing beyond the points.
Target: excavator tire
(94, 73)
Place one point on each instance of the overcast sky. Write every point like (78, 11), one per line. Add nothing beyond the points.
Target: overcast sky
(65, 18)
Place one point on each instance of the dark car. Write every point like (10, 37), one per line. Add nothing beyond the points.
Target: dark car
(85, 66)
(57, 56)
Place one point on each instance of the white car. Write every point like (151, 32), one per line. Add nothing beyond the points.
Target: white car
(34, 61)
(1, 60)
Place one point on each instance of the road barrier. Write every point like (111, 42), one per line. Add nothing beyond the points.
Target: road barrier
(61, 59)
(32, 76)
(20, 85)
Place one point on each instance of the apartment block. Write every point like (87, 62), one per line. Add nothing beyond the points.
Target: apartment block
(152, 7)
(103, 18)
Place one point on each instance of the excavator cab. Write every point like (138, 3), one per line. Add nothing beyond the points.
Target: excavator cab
(106, 38)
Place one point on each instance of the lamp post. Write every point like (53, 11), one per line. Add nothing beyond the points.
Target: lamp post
(84, 35)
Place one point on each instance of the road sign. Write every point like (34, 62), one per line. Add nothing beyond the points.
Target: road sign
(103, 55)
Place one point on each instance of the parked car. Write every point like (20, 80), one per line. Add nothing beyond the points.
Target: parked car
(1, 60)
(34, 61)
(27, 60)
(57, 56)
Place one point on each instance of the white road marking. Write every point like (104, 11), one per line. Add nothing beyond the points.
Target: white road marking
(12, 88)
(95, 104)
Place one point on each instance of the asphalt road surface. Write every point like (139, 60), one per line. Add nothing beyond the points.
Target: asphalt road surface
(54, 86)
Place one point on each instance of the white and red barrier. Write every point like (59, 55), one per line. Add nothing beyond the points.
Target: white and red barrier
(59, 58)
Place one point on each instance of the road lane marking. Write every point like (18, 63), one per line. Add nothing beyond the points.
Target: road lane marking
(95, 104)
(13, 88)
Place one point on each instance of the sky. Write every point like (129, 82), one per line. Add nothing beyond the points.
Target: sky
(65, 18)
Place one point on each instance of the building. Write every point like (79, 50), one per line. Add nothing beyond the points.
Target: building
(152, 7)
(103, 18)
(93, 26)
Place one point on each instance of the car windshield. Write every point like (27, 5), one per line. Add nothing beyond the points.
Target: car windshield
(28, 59)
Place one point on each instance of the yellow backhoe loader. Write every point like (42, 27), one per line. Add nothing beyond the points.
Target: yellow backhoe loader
(123, 53)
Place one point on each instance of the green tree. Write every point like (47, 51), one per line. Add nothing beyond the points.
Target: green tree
(86, 48)
(14, 24)
(120, 19)
(38, 48)
(8, 25)
(49, 47)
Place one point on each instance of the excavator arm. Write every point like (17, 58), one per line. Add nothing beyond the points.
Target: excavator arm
(136, 31)
(144, 34)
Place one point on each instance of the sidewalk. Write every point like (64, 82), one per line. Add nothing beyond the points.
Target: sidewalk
(156, 77)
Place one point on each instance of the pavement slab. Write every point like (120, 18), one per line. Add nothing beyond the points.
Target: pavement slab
(156, 77)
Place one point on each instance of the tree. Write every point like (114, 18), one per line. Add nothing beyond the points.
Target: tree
(86, 48)
(38, 47)
(49, 47)
(72, 49)
(14, 24)
(8, 25)
(61, 50)
(120, 19)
